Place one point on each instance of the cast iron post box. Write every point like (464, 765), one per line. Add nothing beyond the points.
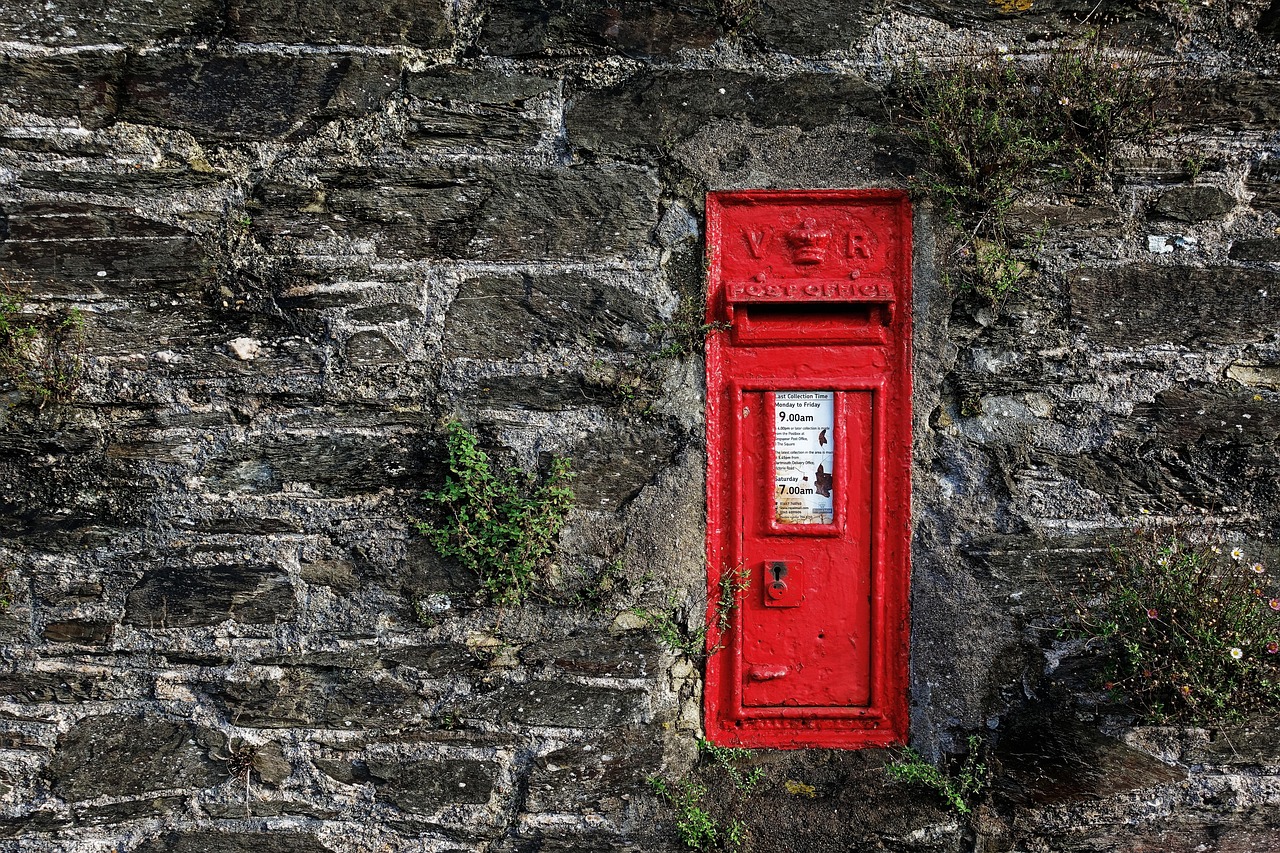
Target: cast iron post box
(809, 467)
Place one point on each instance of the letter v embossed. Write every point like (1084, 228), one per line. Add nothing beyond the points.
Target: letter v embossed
(755, 242)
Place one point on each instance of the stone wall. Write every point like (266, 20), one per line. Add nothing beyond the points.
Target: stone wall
(305, 235)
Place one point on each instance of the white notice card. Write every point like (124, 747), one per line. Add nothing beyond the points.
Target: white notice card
(804, 469)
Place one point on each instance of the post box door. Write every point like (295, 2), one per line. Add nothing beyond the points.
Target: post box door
(806, 622)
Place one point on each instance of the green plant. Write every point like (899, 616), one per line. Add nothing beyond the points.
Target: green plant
(671, 634)
(1190, 630)
(7, 593)
(503, 528)
(696, 827)
(42, 357)
(990, 132)
(958, 788)
(726, 759)
(733, 581)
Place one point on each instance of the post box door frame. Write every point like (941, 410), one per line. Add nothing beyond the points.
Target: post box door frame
(884, 719)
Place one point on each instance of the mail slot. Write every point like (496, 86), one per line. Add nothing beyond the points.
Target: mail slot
(809, 467)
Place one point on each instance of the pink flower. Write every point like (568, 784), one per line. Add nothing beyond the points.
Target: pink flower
(1152, 613)
(1273, 647)
(1274, 604)
(1257, 568)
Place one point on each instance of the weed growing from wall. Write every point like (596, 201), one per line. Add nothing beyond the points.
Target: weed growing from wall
(1189, 627)
(503, 527)
(733, 582)
(43, 357)
(989, 133)
(959, 787)
(696, 823)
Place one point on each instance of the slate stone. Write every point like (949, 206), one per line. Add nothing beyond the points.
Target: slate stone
(71, 687)
(631, 27)
(127, 183)
(121, 755)
(94, 22)
(316, 698)
(421, 25)
(1194, 203)
(551, 393)
(1264, 182)
(213, 841)
(255, 96)
(87, 632)
(590, 653)
(467, 211)
(557, 703)
(1255, 250)
(476, 109)
(592, 777)
(424, 787)
(438, 660)
(127, 810)
(1269, 22)
(335, 464)
(810, 27)
(509, 316)
(612, 466)
(82, 85)
(1223, 103)
(188, 596)
(343, 770)
(653, 110)
(1046, 760)
(371, 349)
(134, 267)
(1140, 305)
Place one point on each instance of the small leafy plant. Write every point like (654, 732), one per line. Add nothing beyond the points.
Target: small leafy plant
(502, 527)
(43, 357)
(727, 758)
(696, 827)
(1189, 628)
(959, 789)
(733, 581)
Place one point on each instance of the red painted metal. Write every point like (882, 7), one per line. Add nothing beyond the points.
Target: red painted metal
(809, 291)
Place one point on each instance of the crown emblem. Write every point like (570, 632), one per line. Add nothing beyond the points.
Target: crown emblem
(808, 243)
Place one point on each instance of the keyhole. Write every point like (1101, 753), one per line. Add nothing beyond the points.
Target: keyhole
(779, 571)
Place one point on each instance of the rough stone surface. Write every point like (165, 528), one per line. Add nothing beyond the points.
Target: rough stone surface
(123, 755)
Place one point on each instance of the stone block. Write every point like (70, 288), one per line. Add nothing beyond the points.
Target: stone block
(83, 631)
(425, 787)
(1263, 181)
(510, 316)
(598, 655)
(811, 27)
(422, 25)
(654, 109)
(335, 464)
(190, 596)
(73, 687)
(94, 22)
(1267, 250)
(128, 810)
(592, 777)
(467, 211)
(477, 109)
(613, 465)
(557, 703)
(319, 698)
(1190, 306)
(232, 98)
(1047, 759)
(121, 755)
(438, 660)
(81, 85)
(213, 841)
(632, 27)
(1194, 203)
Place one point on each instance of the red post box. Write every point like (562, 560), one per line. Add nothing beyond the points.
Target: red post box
(809, 466)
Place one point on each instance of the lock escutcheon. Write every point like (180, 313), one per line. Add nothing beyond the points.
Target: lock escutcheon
(781, 583)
